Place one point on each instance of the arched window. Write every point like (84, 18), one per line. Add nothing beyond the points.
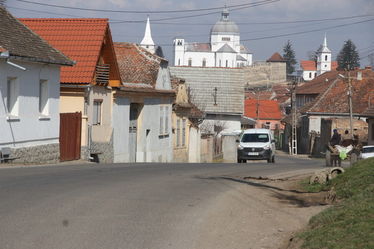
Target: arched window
(204, 62)
(227, 63)
(190, 62)
(220, 63)
(310, 75)
(325, 57)
(179, 62)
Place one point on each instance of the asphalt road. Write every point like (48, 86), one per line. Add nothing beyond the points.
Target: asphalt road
(135, 206)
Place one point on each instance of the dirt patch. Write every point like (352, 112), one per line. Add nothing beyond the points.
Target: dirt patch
(270, 210)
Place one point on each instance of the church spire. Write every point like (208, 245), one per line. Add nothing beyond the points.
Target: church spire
(147, 41)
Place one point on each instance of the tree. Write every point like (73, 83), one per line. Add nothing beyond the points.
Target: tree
(348, 58)
(312, 56)
(289, 56)
(2, 3)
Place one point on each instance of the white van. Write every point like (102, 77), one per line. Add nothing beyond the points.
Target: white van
(256, 144)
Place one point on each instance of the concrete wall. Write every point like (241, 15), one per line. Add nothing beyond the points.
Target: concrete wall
(229, 148)
(264, 73)
(29, 128)
(194, 145)
(121, 114)
(206, 151)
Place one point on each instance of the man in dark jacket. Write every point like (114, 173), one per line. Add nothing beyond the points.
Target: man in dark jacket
(335, 139)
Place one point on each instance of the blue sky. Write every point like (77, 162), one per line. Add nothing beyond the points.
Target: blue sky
(197, 29)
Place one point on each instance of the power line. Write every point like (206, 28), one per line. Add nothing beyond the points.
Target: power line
(139, 11)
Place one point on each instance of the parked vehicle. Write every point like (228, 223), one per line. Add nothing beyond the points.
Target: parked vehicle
(256, 144)
(367, 151)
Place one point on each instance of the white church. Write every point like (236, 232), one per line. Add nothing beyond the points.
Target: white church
(223, 50)
(311, 69)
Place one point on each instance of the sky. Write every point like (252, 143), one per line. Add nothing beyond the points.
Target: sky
(263, 28)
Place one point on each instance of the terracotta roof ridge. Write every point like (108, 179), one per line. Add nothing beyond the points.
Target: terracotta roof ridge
(66, 19)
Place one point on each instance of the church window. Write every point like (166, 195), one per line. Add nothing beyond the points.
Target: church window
(179, 62)
(190, 62)
(179, 43)
(310, 75)
(220, 63)
(325, 57)
(227, 63)
(204, 62)
(315, 75)
(325, 65)
(225, 38)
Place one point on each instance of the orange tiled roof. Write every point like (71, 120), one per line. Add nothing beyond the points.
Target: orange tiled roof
(308, 65)
(267, 109)
(80, 39)
(276, 57)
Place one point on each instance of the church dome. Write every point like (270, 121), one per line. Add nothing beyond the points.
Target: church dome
(225, 25)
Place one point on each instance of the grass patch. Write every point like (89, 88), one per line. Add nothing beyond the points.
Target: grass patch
(349, 224)
(313, 188)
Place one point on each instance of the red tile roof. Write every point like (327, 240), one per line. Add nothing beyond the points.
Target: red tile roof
(276, 57)
(80, 39)
(318, 84)
(308, 65)
(335, 100)
(311, 65)
(136, 64)
(267, 109)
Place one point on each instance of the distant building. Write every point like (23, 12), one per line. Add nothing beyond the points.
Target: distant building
(223, 50)
(311, 69)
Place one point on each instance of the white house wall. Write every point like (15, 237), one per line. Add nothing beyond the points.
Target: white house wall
(121, 114)
(315, 124)
(153, 147)
(30, 129)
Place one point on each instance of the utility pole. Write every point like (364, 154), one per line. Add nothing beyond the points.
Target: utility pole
(294, 119)
(350, 103)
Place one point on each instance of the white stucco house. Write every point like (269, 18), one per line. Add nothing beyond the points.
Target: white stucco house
(223, 50)
(29, 92)
(142, 128)
(310, 69)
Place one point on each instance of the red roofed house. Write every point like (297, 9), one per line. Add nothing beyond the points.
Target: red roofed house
(86, 87)
(29, 93)
(326, 107)
(267, 113)
(146, 96)
(311, 69)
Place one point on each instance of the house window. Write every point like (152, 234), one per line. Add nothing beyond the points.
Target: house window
(12, 96)
(164, 120)
(183, 132)
(225, 38)
(43, 97)
(190, 62)
(178, 132)
(97, 111)
(204, 62)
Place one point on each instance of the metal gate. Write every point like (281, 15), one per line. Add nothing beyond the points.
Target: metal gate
(133, 129)
(70, 136)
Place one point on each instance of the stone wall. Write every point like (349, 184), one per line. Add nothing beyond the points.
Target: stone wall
(41, 154)
(104, 151)
(265, 74)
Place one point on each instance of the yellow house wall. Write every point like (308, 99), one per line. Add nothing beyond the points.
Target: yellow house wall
(181, 152)
(73, 102)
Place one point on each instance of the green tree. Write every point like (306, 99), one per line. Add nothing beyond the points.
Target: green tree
(289, 56)
(348, 58)
(2, 3)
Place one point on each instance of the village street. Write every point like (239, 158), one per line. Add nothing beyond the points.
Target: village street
(146, 206)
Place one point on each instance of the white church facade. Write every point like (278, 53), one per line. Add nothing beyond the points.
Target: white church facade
(311, 69)
(223, 50)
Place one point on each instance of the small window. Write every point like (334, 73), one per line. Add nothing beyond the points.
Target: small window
(220, 63)
(43, 97)
(183, 132)
(178, 132)
(97, 112)
(325, 57)
(12, 96)
(190, 62)
(227, 63)
(204, 62)
(179, 62)
(315, 74)
(310, 75)
(225, 38)
(164, 120)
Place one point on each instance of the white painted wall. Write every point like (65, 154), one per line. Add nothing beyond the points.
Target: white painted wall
(194, 146)
(197, 59)
(307, 74)
(229, 122)
(154, 147)
(315, 124)
(30, 129)
(217, 43)
(121, 114)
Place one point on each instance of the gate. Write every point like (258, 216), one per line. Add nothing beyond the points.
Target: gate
(70, 136)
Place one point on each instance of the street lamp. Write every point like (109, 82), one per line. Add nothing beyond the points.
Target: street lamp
(350, 101)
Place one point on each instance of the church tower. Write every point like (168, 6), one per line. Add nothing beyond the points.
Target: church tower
(323, 58)
(147, 41)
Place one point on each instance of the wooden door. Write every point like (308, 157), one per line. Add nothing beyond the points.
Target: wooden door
(70, 136)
